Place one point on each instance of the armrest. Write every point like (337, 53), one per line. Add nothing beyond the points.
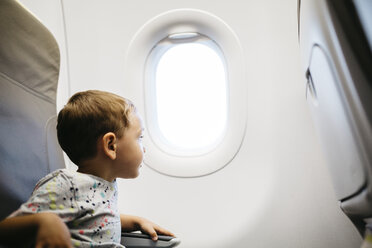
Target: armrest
(139, 240)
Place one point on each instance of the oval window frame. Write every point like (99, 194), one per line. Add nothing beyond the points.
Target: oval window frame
(183, 21)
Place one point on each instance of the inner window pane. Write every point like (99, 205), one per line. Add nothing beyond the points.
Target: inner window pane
(191, 96)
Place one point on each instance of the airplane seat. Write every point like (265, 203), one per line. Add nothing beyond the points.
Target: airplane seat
(335, 43)
(29, 69)
(29, 149)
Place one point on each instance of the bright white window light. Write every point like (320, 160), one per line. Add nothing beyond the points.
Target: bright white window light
(191, 96)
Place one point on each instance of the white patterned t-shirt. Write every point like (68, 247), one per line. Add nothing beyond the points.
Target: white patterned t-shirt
(86, 203)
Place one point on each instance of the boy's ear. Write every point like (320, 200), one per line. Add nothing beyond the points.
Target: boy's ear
(109, 145)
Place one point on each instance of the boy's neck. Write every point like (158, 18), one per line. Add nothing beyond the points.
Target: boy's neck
(96, 168)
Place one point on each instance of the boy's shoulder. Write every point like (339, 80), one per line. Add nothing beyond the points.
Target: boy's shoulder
(73, 179)
(59, 175)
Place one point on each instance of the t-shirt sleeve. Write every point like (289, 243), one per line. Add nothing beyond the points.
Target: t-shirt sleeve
(54, 193)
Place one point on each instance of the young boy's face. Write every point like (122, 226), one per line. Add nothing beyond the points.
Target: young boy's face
(130, 151)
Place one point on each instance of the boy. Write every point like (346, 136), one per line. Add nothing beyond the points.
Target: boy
(101, 133)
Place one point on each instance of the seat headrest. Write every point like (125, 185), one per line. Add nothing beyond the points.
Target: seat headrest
(29, 53)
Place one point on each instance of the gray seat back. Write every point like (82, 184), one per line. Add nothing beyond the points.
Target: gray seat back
(336, 42)
(29, 69)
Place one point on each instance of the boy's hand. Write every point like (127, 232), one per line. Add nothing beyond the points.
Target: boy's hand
(52, 232)
(153, 229)
(133, 223)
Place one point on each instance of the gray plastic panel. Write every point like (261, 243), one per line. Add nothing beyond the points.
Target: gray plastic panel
(335, 51)
(325, 101)
(138, 240)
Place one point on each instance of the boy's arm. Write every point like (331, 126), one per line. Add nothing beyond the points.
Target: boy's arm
(45, 229)
(130, 223)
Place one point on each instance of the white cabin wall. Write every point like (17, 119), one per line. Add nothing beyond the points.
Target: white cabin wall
(277, 191)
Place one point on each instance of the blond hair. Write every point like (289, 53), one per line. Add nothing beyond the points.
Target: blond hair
(86, 117)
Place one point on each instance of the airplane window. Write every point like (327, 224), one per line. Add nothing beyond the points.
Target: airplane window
(190, 96)
(185, 69)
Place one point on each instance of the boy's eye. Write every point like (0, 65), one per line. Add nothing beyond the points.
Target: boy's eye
(141, 137)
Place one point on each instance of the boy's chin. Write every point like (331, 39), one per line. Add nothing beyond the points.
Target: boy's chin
(131, 176)
(137, 174)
